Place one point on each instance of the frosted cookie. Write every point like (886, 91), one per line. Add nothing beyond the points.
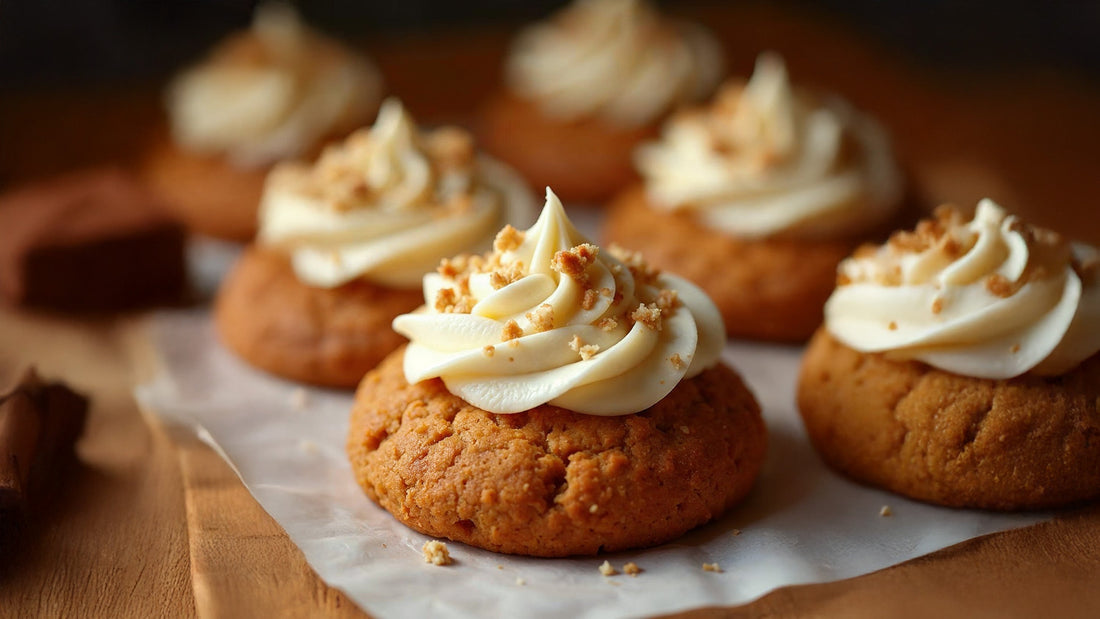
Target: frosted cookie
(556, 400)
(958, 365)
(276, 91)
(758, 196)
(587, 86)
(344, 243)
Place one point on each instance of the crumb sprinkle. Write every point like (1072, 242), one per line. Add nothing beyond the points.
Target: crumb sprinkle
(885, 512)
(735, 532)
(676, 361)
(511, 331)
(586, 351)
(542, 317)
(489, 351)
(893, 326)
(520, 582)
(649, 315)
(632, 569)
(712, 567)
(436, 553)
(299, 398)
(937, 305)
(508, 239)
(607, 569)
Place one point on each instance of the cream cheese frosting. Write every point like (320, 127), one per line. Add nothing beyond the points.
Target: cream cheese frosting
(272, 92)
(547, 317)
(989, 298)
(616, 60)
(765, 160)
(388, 203)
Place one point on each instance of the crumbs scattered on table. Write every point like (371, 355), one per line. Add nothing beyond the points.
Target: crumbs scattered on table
(299, 399)
(885, 511)
(712, 567)
(520, 582)
(735, 532)
(435, 552)
(607, 569)
(308, 447)
(632, 569)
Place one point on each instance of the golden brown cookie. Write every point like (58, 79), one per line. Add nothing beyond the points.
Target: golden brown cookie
(205, 192)
(550, 482)
(1028, 442)
(584, 161)
(769, 289)
(329, 337)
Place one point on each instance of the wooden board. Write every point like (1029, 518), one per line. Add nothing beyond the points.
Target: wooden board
(153, 523)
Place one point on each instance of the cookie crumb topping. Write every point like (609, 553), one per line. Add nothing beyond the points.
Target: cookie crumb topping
(511, 331)
(676, 361)
(542, 317)
(586, 351)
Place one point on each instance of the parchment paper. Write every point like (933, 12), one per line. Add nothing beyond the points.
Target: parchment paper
(801, 524)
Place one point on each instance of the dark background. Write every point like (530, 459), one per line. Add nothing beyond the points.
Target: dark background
(65, 43)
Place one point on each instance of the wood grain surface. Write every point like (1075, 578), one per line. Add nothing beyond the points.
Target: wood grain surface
(153, 523)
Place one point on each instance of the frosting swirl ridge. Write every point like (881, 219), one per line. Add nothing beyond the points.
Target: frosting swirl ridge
(272, 92)
(389, 203)
(989, 298)
(766, 160)
(613, 59)
(549, 318)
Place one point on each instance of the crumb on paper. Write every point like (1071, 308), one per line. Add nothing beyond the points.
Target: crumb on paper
(383, 544)
(500, 567)
(885, 511)
(607, 569)
(299, 399)
(520, 582)
(435, 552)
(736, 532)
(632, 569)
(712, 567)
(308, 447)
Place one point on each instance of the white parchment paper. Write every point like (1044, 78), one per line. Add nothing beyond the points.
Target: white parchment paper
(801, 524)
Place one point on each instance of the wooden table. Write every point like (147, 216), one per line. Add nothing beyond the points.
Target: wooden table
(153, 523)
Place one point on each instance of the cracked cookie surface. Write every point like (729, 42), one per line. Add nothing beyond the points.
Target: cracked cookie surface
(1028, 442)
(550, 482)
(323, 336)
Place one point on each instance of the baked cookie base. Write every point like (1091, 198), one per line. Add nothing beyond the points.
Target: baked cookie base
(582, 161)
(766, 289)
(1028, 442)
(329, 337)
(206, 193)
(549, 482)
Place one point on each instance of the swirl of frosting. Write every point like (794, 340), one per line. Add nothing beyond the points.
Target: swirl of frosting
(613, 59)
(273, 92)
(549, 318)
(989, 298)
(765, 161)
(389, 203)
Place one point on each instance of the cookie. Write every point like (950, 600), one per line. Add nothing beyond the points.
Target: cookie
(769, 289)
(329, 337)
(550, 482)
(206, 192)
(585, 161)
(1028, 442)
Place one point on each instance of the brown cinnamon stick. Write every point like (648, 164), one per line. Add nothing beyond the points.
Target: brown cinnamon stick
(39, 423)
